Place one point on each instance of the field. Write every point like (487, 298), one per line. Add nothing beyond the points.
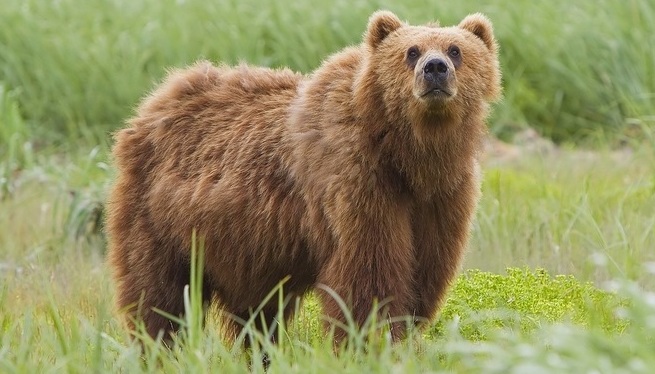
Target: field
(560, 273)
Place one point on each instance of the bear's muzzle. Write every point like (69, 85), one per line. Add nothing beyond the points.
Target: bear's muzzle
(435, 79)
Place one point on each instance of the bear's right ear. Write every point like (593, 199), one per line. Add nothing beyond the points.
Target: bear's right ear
(380, 25)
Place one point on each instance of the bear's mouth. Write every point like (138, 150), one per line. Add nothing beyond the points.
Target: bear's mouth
(437, 93)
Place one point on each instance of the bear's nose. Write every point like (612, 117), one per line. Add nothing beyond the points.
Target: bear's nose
(435, 68)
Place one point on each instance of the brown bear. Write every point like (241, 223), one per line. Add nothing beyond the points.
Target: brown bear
(362, 177)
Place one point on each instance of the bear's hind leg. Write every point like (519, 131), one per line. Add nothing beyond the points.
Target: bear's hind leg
(154, 283)
(265, 324)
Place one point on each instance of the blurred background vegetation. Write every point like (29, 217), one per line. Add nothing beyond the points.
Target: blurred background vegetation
(576, 71)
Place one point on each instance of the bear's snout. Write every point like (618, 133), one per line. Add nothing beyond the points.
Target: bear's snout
(435, 69)
(435, 79)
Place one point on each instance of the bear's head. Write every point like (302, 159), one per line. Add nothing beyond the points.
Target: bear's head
(432, 69)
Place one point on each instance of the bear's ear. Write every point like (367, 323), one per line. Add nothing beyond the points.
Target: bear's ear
(480, 26)
(380, 25)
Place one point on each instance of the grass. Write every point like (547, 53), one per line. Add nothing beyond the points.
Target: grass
(73, 336)
(567, 211)
(589, 75)
(56, 294)
(559, 276)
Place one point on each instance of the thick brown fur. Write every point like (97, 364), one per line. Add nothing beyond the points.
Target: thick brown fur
(347, 178)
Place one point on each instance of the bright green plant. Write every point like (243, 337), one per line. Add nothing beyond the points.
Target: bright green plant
(524, 300)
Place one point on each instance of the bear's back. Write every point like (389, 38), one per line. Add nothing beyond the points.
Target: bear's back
(207, 151)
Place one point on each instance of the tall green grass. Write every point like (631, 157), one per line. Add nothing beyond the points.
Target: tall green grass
(56, 294)
(57, 329)
(569, 211)
(583, 69)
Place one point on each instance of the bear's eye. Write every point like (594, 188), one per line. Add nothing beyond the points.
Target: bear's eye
(413, 53)
(453, 51)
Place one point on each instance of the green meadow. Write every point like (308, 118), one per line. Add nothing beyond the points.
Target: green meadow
(560, 273)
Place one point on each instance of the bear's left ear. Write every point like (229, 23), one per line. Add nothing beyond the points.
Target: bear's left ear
(480, 26)
(380, 25)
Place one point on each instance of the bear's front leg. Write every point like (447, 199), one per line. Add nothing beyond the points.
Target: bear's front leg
(441, 232)
(372, 262)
